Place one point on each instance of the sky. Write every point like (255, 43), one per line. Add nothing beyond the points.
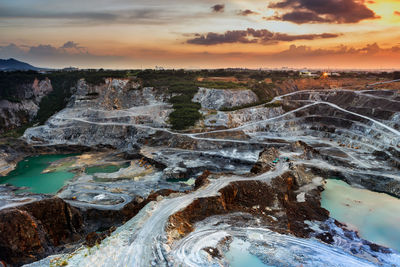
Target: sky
(120, 34)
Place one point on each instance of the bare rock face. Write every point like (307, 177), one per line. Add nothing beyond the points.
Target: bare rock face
(115, 113)
(34, 230)
(239, 117)
(39, 90)
(202, 179)
(217, 99)
(15, 114)
(262, 200)
(264, 162)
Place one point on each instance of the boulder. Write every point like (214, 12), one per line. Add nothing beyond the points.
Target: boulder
(264, 162)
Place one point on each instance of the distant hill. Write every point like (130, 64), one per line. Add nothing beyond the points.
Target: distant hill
(13, 64)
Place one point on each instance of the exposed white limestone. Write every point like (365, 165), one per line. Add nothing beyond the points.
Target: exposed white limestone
(217, 98)
(14, 114)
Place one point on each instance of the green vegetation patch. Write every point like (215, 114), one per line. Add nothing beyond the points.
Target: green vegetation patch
(182, 86)
(222, 85)
(10, 84)
(17, 132)
(273, 105)
(264, 91)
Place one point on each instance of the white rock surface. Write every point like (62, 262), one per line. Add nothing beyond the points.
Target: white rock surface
(14, 114)
(219, 98)
(114, 113)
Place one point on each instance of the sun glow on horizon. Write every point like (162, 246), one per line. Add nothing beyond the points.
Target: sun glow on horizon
(173, 33)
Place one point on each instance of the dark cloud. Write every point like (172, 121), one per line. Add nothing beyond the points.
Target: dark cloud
(38, 14)
(326, 11)
(9, 50)
(247, 12)
(212, 38)
(370, 49)
(396, 49)
(219, 8)
(70, 53)
(253, 36)
(71, 44)
(397, 13)
(299, 17)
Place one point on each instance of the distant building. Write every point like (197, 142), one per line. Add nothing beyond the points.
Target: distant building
(307, 73)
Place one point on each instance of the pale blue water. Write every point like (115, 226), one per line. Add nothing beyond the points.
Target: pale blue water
(28, 174)
(376, 216)
(239, 256)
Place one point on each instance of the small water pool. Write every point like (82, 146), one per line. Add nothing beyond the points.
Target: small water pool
(239, 255)
(105, 168)
(28, 174)
(375, 215)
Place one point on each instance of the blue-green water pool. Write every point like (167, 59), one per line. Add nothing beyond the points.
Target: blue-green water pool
(105, 168)
(28, 173)
(376, 216)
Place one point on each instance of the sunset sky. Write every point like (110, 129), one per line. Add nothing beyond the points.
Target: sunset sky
(202, 33)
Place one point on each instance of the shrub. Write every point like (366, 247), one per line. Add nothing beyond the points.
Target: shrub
(273, 105)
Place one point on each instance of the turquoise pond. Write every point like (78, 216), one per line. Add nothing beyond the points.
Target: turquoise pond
(28, 174)
(376, 216)
(105, 168)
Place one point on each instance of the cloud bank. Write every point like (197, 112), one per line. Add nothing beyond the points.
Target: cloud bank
(322, 11)
(68, 54)
(253, 36)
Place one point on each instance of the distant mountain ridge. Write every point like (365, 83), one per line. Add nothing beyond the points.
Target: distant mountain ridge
(13, 64)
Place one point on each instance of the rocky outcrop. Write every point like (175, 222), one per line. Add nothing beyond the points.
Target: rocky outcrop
(96, 219)
(217, 98)
(202, 179)
(275, 203)
(265, 159)
(35, 230)
(15, 114)
(239, 117)
(115, 113)
(368, 103)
